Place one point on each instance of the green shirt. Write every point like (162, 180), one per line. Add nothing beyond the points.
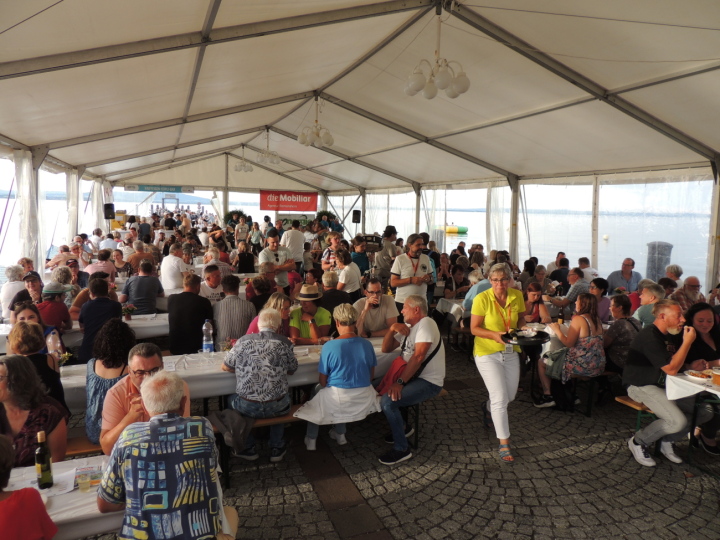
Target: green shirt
(322, 318)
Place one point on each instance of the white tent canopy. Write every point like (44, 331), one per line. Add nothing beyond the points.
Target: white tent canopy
(170, 91)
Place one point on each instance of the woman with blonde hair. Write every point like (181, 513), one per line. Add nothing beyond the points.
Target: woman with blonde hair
(347, 366)
(280, 303)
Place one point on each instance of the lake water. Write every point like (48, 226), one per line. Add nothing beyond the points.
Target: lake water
(627, 236)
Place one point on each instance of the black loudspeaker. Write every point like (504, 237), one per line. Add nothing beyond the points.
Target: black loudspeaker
(356, 216)
(109, 210)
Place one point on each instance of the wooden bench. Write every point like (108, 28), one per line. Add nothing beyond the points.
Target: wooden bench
(642, 412)
(81, 446)
(416, 418)
(592, 389)
(259, 423)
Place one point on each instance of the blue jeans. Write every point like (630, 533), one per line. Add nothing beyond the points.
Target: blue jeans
(415, 392)
(263, 410)
(313, 430)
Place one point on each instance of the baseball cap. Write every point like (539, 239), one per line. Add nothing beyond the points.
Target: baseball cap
(32, 275)
(72, 262)
(55, 287)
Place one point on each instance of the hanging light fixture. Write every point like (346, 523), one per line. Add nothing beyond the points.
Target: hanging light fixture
(243, 165)
(316, 135)
(267, 156)
(441, 76)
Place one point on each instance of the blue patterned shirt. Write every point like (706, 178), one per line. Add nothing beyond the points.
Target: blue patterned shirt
(261, 363)
(165, 472)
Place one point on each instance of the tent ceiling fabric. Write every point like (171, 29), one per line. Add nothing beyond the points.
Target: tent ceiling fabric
(118, 87)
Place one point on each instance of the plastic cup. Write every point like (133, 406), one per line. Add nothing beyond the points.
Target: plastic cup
(84, 482)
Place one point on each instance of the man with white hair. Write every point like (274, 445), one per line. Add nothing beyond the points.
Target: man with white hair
(163, 472)
(11, 287)
(261, 363)
(122, 405)
(420, 379)
(689, 294)
(654, 354)
(139, 256)
(173, 268)
(212, 257)
(674, 271)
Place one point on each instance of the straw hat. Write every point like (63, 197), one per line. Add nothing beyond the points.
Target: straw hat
(309, 293)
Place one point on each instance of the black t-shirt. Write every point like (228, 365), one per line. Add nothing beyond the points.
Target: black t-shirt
(93, 315)
(699, 350)
(649, 352)
(561, 275)
(187, 313)
(169, 224)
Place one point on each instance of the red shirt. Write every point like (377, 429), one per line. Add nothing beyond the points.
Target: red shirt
(23, 515)
(224, 257)
(54, 313)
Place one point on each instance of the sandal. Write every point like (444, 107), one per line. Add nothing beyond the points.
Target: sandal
(487, 419)
(505, 454)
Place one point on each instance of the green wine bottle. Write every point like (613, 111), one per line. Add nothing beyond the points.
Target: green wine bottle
(43, 466)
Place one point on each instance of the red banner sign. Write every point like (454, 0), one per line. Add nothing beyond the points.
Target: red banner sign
(288, 201)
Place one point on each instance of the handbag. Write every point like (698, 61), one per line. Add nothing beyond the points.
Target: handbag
(555, 362)
(398, 366)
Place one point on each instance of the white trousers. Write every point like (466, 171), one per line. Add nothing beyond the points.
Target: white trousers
(501, 374)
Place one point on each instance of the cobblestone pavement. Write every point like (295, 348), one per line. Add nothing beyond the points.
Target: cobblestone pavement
(573, 477)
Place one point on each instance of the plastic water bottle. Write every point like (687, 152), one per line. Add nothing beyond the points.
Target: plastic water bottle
(207, 329)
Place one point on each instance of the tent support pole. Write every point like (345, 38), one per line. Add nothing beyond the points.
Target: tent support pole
(364, 209)
(711, 279)
(226, 191)
(514, 206)
(595, 220)
(418, 204)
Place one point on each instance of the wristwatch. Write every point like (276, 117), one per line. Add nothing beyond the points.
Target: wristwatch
(400, 381)
(312, 321)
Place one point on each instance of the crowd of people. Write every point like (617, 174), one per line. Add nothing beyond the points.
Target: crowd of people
(315, 288)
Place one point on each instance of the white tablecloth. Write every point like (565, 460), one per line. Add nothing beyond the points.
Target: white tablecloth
(144, 326)
(4, 332)
(206, 379)
(75, 513)
(162, 302)
(680, 386)
(451, 307)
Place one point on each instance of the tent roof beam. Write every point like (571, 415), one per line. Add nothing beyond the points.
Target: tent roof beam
(88, 57)
(523, 48)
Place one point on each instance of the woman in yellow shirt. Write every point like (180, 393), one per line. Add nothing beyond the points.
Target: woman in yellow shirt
(496, 312)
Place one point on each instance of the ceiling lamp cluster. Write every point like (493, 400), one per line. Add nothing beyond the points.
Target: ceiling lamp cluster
(316, 135)
(441, 76)
(243, 165)
(266, 156)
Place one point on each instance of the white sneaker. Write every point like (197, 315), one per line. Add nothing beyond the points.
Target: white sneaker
(668, 450)
(310, 444)
(640, 453)
(340, 438)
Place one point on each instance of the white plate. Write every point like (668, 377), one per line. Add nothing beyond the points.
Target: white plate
(699, 379)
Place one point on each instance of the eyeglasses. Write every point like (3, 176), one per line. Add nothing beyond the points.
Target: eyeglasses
(277, 258)
(592, 287)
(375, 292)
(499, 280)
(144, 372)
(695, 286)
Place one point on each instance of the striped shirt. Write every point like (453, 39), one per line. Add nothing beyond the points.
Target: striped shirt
(232, 317)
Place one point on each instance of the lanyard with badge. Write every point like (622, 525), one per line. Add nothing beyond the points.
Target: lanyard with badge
(506, 323)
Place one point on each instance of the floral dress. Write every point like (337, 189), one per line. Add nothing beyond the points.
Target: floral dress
(586, 358)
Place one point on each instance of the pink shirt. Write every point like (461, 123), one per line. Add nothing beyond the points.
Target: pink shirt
(102, 266)
(117, 403)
